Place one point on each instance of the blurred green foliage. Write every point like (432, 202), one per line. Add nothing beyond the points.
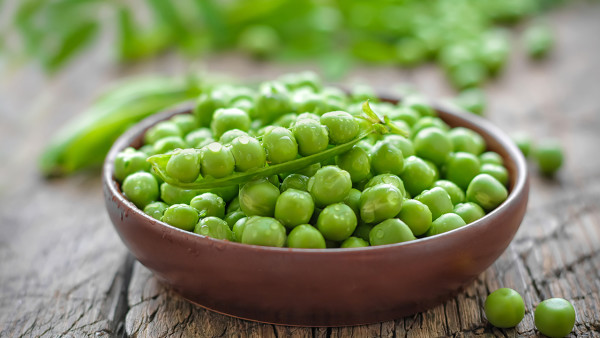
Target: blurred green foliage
(466, 37)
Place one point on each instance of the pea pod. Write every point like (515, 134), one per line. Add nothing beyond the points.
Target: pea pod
(159, 162)
(85, 141)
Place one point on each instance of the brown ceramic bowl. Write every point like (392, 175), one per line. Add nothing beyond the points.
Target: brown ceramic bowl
(314, 287)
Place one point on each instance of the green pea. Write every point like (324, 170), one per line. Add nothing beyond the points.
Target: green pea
(306, 79)
(265, 231)
(406, 114)
(337, 222)
(167, 144)
(469, 211)
(294, 181)
(273, 101)
(280, 145)
(140, 188)
(472, 100)
(419, 104)
(417, 175)
(410, 51)
(353, 201)
(428, 122)
(386, 158)
(199, 138)
(294, 207)
(310, 171)
(176, 195)
(387, 179)
(555, 317)
(457, 195)
(227, 193)
(390, 231)
(380, 202)
(248, 153)
(231, 135)
(161, 130)
(214, 227)
(486, 191)
(437, 200)
(206, 104)
(466, 140)
(184, 165)
(436, 170)
(445, 223)
(416, 215)
(468, 74)
(362, 92)
(433, 144)
(491, 157)
(181, 216)
(216, 160)
(497, 171)
(258, 198)
(234, 216)
(155, 209)
(461, 168)
(538, 40)
(311, 136)
(495, 49)
(308, 116)
(504, 308)
(305, 236)
(128, 162)
(524, 142)
(260, 41)
(238, 228)
(185, 122)
(549, 156)
(354, 242)
(305, 100)
(286, 121)
(225, 119)
(362, 231)
(405, 145)
(209, 204)
(342, 127)
(329, 185)
(356, 162)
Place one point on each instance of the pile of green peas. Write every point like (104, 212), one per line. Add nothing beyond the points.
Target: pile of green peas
(386, 189)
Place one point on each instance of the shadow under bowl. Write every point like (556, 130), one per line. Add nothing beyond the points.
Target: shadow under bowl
(320, 287)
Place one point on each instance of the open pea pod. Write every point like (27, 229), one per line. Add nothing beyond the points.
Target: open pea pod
(159, 162)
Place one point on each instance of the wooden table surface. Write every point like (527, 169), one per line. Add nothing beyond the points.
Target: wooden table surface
(64, 271)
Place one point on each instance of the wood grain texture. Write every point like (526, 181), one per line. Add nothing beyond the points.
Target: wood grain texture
(64, 271)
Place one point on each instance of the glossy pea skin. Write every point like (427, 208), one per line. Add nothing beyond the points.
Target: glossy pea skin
(225, 119)
(238, 228)
(445, 223)
(265, 231)
(457, 195)
(497, 171)
(199, 138)
(305, 100)
(280, 145)
(294, 207)
(155, 209)
(504, 308)
(416, 216)
(356, 162)
(286, 120)
(311, 136)
(214, 227)
(176, 195)
(417, 175)
(405, 145)
(161, 130)
(247, 153)
(386, 159)
(472, 100)
(341, 126)
(273, 101)
(294, 181)
(167, 144)
(129, 161)
(353, 201)
(258, 198)
(466, 140)
(433, 144)
(437, 200)
(523, 142)
(354, 242)
(380, 202)
(390, 231)
(141, 188)
(491, 157)
(209, 204)
(206, 104)
(329, 185)
(486, 191)
(548, 156)
(181, 216)
(538, 40)
(427, 122)
(461, 168)
(554, 317)
(216, 160)
(469, 211)
(337, 222)
(406, 114)
(387, 179)
(185, 122)
(184, 165)
(362, 231)
(306, 79)
(231, 135)
(234, 216)
(305, 236)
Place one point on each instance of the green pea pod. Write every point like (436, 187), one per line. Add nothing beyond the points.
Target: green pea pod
(74, 40)
(85, 141)
(159, 162)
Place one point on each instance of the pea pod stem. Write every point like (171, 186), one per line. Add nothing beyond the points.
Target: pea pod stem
(159, 162)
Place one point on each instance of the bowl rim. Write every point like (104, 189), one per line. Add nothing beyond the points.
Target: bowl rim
(518, 187)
